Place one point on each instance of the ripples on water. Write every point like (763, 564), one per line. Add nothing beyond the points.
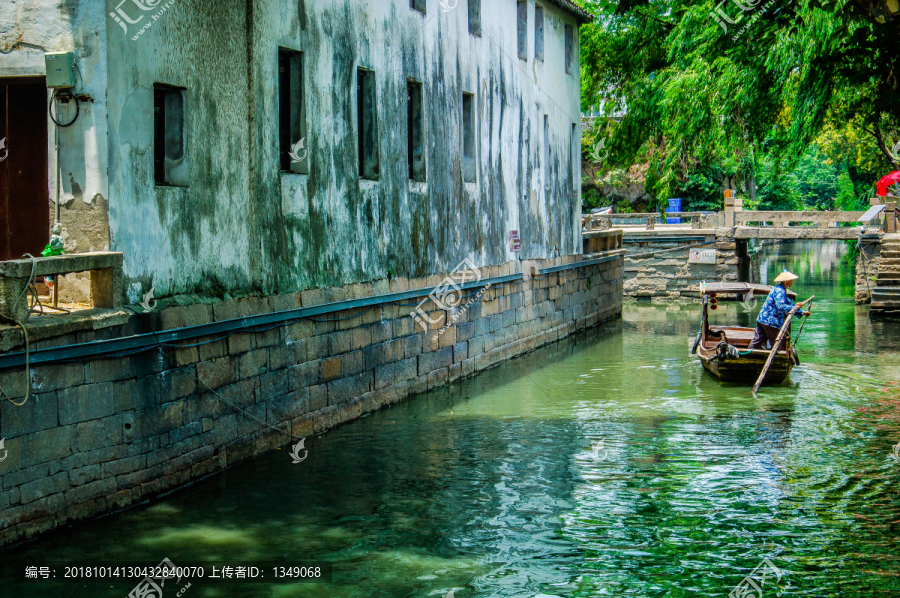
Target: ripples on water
(607, 465)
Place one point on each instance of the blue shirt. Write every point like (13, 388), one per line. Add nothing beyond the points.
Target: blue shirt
(776, 308)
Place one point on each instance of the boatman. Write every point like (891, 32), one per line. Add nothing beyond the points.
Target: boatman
(774, 311)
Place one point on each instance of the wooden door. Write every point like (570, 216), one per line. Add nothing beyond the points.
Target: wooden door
(24, 193)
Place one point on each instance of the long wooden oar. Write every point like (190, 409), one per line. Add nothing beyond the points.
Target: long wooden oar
(777, 342)
(802, 324)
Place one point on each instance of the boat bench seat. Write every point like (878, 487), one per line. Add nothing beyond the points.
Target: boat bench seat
(738, 338)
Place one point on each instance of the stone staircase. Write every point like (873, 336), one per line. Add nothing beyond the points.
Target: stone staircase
(886, 294)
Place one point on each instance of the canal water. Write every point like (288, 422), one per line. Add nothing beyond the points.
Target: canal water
(605, 465)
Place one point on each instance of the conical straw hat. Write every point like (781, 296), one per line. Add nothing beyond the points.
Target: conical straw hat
(786, 276)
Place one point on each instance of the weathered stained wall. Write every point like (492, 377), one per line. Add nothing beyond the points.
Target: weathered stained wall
(28, 30)
(242, 223)
(201, 236)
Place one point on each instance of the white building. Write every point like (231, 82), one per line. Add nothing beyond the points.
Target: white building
(430, 130)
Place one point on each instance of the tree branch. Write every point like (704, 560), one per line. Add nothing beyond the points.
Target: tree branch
(879, 139)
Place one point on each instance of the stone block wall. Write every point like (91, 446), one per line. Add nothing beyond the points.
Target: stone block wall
(97, 436)
(867, 264)
(669, 275)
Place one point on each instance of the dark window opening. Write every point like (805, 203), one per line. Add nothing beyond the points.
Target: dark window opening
(170, 165)
(293, 146)
(301, 13)
(539, 32)
(468, 131)
(522, 23)
(417, 5)
(367, 125)
(415, 123)
(570, 48)
(475, 17)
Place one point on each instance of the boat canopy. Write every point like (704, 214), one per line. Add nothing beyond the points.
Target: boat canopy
(742, 288)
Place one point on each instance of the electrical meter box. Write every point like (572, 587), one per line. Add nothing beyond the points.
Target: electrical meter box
(60, 69)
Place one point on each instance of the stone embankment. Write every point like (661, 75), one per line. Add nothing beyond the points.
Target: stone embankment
(97, 435)
(657, 266)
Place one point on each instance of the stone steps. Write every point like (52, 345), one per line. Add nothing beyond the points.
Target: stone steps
(886, 294)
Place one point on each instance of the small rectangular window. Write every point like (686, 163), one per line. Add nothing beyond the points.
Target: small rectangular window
(417, 5)
(570, 48)
(538, 32)
(546, 152)
(367, 123)
(294, 149)
(468, 131)
(170, 164)
(415, 123)
(522, 23)
(475, 17)
(301, 13)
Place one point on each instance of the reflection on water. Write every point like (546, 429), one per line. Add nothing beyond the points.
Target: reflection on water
(607, 465)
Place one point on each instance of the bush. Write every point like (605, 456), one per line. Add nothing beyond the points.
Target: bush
(701, 191)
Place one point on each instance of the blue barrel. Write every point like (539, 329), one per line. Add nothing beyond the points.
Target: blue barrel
(674, 206)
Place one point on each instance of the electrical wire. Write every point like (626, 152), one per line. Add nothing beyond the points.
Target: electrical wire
(230, 404)
(55, 95)
(21, 325)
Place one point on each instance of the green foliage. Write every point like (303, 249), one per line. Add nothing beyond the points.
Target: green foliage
(591, 199)
(778, 193)
(749, 98)
(847, 197)
(701, 191)
(816, 181)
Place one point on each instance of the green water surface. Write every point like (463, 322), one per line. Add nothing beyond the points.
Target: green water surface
(609, 464)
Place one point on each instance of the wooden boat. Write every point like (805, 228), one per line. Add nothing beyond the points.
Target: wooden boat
(724, 350)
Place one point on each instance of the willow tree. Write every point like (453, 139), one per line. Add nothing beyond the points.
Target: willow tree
(695, 82)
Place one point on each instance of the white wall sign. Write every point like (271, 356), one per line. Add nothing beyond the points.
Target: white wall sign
(702, 256)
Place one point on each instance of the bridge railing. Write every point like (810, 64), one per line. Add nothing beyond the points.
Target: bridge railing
(591, 222)
(780, 219)
(756, 218)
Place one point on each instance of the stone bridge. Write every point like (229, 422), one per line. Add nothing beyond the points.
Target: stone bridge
(670, 260)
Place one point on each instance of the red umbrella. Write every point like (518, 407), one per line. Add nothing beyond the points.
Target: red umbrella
(882, 186)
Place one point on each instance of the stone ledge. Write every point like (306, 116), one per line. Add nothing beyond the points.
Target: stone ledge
(52, 325)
